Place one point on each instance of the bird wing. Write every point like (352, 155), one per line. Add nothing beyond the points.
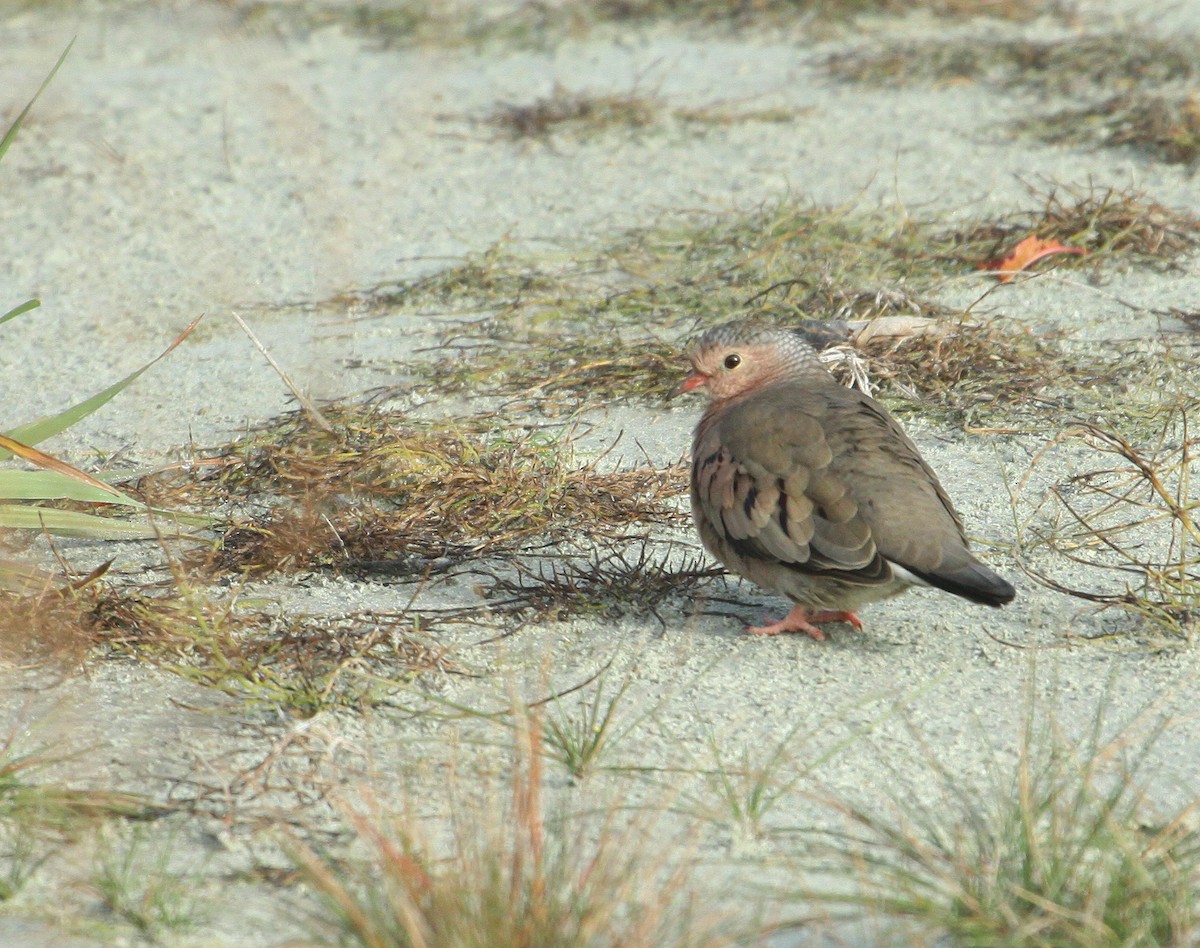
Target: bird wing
(911, 519)
(824, 481)
(764, 479)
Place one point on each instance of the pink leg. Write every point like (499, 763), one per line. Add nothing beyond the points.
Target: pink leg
(801, 619)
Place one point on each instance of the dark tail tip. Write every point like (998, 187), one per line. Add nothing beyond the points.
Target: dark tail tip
(974, 582)
(999, 593)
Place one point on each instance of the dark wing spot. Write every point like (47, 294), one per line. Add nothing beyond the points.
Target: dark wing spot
(699, 463)
(751, 497)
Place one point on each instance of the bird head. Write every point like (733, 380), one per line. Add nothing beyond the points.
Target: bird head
(734, 358)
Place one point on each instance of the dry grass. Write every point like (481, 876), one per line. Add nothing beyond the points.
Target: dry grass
(480, 280)
(780, 12)
(380, 493)
(971, 366)
(310, 664)
(581, 112)
(604, 330)
(385, 493)
(1066, 850)
(1077, 63)
(1123, 533)
(999, 375)
(1138, 67)
(301, 664)
(612, 327)
(52, 626)
(1106, 222)
(396, 23)
(1164, 127)
(533, 23)
(528, 878)
(585, 114)
(585, 332)
(534, 371)
(678, 275)
(779, 261)
(624, 581)
(825, 252)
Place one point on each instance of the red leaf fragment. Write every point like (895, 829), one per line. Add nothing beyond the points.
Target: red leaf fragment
(1029, 250)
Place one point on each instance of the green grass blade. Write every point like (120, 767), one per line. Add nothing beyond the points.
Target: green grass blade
(15, 127)
(50, 485)
(72, 523)
(18, 310)
(44, 428)
(52, 465)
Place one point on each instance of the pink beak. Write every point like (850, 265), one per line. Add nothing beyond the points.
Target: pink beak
(695, 380)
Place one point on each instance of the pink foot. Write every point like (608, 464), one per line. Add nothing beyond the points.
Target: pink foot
(802, 620)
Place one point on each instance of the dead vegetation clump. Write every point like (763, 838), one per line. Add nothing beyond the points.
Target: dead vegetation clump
(779, 12)
(383, 491)
(995, 373)
(843, 247)
(1167, 128)
(307, 664)
(290, 661)
(1064, 846)
(938, 61)
(66, 619)
(611, 327)
(582, 112)
(601, 344)
(1075, 63)
(556, 373)
(621, 582)
(531, 23)
(1162, 126)
(1124, 533)
(1106, 222)
(525, 874)
(492, 279)
(968, 365)
(50, 626)
(1144, 114)
(389, 25)
(585, 114)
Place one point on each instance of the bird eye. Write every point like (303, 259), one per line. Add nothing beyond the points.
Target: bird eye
(733, 360)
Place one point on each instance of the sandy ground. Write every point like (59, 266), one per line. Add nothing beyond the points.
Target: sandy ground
(183, 164)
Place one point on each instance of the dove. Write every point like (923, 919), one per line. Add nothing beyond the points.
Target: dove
(812, 490)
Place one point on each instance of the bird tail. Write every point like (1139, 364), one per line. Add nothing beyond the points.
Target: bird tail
(971, 580)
